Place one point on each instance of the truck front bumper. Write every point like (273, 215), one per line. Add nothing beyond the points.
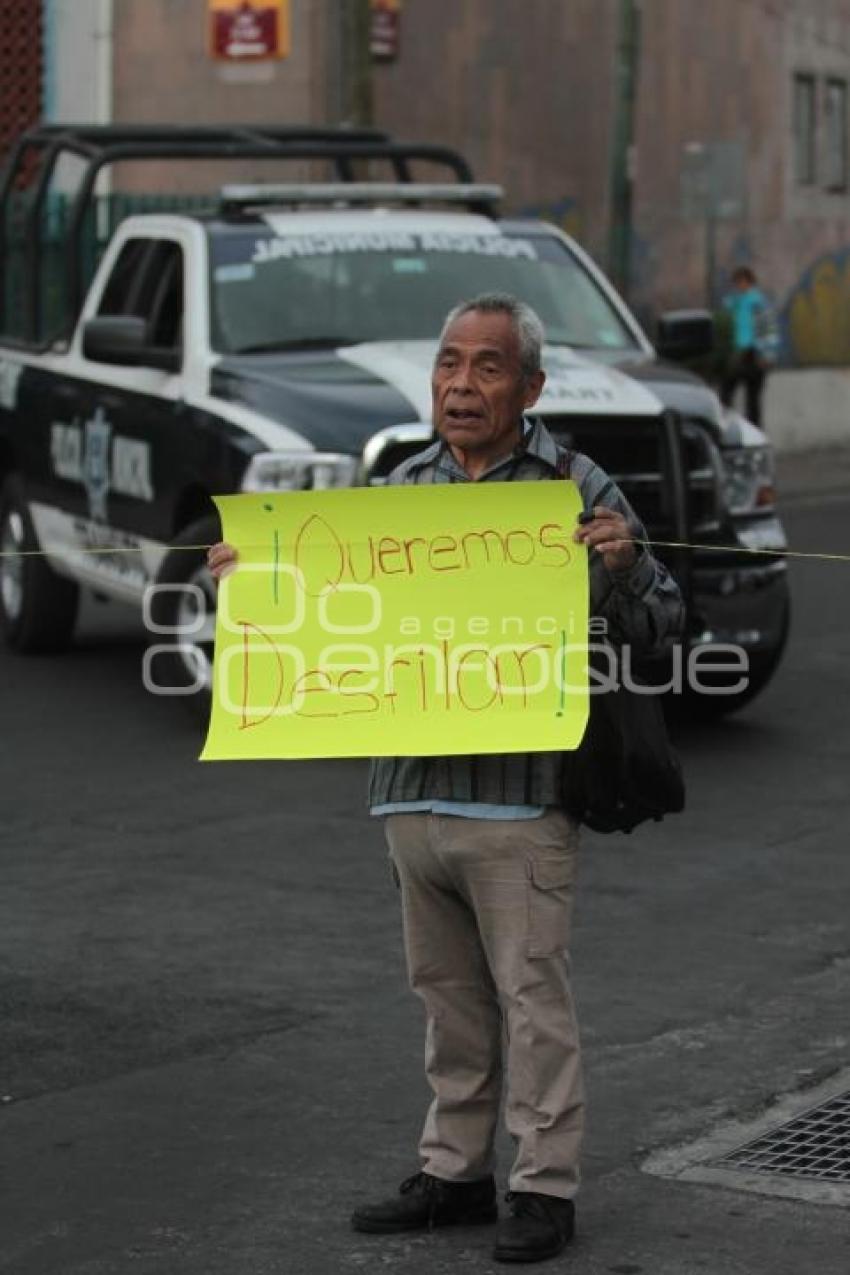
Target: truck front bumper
(742, 605)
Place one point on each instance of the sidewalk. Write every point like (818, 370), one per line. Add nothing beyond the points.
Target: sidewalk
(808, 408)
(816, 472)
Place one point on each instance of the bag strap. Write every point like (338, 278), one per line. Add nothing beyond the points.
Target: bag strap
(564, 463)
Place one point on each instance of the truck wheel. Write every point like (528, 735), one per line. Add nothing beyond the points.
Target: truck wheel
(182, 607)
(38, 608)
(763, 665)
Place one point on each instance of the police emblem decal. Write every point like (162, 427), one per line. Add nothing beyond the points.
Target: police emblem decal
(96, 464)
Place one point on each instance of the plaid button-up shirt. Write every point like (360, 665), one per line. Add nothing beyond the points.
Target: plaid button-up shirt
(642, 606)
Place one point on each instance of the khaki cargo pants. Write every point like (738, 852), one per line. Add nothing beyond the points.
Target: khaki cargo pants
(486, 907)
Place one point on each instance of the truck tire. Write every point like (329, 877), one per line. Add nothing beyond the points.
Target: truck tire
(38, 608)
(182, 608)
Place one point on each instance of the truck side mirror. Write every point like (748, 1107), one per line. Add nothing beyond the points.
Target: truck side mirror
(685, 334)
(122, 339)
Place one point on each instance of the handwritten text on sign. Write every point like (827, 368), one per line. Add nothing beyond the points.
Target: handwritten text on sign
(401, 621)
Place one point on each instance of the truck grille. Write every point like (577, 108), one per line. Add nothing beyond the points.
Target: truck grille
(389, 447)
(631, 450)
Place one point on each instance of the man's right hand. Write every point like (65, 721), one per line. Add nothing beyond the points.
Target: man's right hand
(221, 558)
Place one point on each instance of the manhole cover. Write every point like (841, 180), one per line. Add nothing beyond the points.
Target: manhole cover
(814, 1145)
(799, 1149)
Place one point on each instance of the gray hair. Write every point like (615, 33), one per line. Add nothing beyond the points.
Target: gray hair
(529, 330)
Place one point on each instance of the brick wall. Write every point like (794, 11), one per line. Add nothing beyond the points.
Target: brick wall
(20, 67)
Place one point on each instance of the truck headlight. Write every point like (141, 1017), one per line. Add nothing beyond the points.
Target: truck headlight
(299, 471)
(748, 482)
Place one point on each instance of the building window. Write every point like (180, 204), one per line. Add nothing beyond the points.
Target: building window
(804, 129)
(836, 135)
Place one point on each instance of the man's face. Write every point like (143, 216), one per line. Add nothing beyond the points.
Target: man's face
(478, 387)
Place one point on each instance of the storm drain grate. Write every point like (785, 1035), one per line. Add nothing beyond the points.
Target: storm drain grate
(798, 1149)
(815, 1144)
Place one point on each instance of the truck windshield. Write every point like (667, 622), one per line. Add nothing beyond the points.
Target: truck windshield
(278, 292)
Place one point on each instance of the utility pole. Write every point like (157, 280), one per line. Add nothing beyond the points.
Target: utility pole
(355, 62)
(623, 151)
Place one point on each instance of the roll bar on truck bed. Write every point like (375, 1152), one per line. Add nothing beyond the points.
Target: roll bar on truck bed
(33, 162)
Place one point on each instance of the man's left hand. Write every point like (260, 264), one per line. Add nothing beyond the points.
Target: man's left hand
(609, 533)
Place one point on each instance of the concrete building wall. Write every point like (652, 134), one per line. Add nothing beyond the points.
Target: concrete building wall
(523, 87)
(527, 89)
(723, 75)
(711, 90)
(811, 254)
(163, 74)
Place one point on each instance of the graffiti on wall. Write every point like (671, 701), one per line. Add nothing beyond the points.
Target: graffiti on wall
(816, 316)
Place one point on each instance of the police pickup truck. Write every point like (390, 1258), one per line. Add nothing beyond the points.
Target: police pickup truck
(283, 339)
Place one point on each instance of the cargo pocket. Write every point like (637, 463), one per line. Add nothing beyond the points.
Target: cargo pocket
(550, 896)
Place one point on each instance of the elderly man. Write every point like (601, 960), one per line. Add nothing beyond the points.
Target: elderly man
(483, 848)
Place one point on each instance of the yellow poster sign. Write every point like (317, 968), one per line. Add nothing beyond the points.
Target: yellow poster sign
(401, 621)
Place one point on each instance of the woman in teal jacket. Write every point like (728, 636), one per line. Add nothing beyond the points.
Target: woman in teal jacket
(754, 341)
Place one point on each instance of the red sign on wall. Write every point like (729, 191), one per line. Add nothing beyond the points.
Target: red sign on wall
(249, 30)
(385, 29)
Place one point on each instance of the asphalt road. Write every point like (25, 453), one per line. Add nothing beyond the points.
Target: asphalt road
(209, 1052)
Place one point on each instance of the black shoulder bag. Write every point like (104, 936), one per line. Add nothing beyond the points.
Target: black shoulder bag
(625, 770)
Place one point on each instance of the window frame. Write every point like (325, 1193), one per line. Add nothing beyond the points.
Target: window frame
(159, 266)
(836, 184)
(805, 146)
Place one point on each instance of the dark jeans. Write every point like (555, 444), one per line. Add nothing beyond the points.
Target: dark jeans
(747, 368)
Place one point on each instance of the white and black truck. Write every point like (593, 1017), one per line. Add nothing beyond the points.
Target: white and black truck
(283, 339)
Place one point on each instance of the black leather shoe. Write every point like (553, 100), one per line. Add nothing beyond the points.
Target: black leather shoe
(424, 1202)
(539, 1226)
